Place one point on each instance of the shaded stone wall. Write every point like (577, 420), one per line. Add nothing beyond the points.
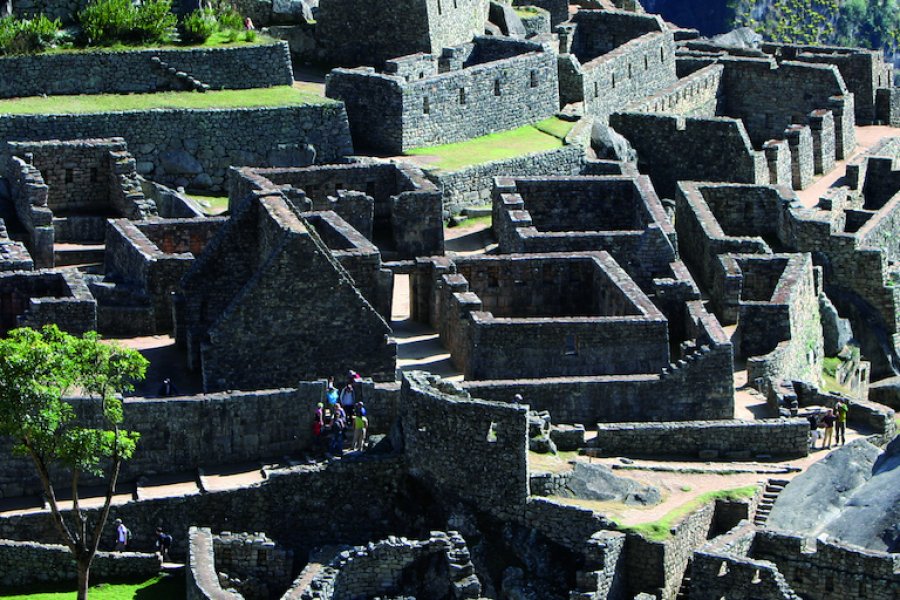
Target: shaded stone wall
(438, 421)
(672, 149)
(194, 148)
(135, 71)
(728, 439)
(38, 298)
(31, 564)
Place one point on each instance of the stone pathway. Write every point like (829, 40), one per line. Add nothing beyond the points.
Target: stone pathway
(866, 138)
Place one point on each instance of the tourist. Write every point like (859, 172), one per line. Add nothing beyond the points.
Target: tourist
(841, 409)
(518, 399)
(318, 427)
(360, 426)
(348, 398)
(123, 536)
(167, 388)
(338, 425)
(829, 420)
(331, 393)
(813, 430)
(248, 24)
(163, 544)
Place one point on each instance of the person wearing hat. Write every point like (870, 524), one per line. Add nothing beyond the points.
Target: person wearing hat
(360, 425)
(122, 536)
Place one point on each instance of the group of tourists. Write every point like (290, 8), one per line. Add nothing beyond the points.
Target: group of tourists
(163, 541)
(342, 410)
(835, 418)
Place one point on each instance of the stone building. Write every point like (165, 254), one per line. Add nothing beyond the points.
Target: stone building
(63, 191)
(268, 275)
(610, 58)
(360, 32)
(44, 297)
(491, 84)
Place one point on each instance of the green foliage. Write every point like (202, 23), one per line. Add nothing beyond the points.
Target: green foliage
(28, 36)
(868, 23)
(37, 368)
(250, 35)
(227, 16)
(106, 22)
(198, 26)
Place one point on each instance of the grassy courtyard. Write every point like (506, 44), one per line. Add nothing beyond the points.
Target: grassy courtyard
(252, 98)
(162, 587)
(540, 137)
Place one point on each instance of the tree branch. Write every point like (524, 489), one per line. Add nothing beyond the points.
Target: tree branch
(58, 520)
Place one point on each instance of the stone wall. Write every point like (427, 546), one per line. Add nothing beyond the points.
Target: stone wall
(558, 9)
(439, 419)
(473, 185)
(498, 84)
(672, 149)
(30, 564)
(136, 71)
(696, 95)
(29, 195)
(358, 32)
(296, 504)
(732, 440)
(828, 570)
(13, 255)
(252, 564)
(266, 261)
(147, 259)
(201, 580)
(38, 298)
(406, 207)
(697, 386)
(194, 148)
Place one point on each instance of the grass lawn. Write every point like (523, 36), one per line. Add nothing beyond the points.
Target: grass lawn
(163, 587)
(540, 137)
(660, 530)
(284, 95)
(219, 39)
(211, 205)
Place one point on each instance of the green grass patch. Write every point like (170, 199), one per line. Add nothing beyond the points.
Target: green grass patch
(830, 366)
(540, 137)
(162, 587)
(526, 12)
(554, 463)
(211, 205)
(660, 530)
(220, 39)
(254, 98)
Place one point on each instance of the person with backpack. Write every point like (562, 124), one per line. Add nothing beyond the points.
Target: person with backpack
(163, 544)
(123, 536)
(338, 426)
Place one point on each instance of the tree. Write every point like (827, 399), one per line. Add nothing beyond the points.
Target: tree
(790, 21)
(37, 370)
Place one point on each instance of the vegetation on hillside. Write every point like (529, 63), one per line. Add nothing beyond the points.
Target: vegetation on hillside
(871, 24)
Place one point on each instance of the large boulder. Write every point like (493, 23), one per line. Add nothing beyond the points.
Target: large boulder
(505, 17)
(598, 482)
(742, 37)
(609, 144)
(852, 495)
(180, 162)
(887, 392)
(835, 330)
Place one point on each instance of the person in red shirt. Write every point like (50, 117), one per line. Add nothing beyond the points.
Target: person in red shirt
(829, 420)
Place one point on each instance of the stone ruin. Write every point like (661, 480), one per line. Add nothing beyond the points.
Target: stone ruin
(630, 278)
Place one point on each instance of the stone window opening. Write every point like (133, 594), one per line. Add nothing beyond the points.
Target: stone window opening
(829, 583)
(93, 174)
(426, 109)
(491, 433)
(723, 569)
(629, 70)
(862, 589)
(70, 176)
(662, 55)
(571, 345)
(462, 96)
(596, 90)
(534, 79)
(646, 63)
(421, 74)
(455, 5)
(440, 9)
(496, 87)
(613, 80)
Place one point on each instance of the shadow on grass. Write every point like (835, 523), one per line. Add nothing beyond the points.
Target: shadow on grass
(162, 587)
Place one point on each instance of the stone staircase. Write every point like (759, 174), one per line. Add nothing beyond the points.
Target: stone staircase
(180, 77)
(684, 590)
(770, 494)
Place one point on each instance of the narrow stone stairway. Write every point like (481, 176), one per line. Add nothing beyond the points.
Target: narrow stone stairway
(770, 494)
(685, 589)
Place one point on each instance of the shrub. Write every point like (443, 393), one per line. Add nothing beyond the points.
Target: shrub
(154, 21)
(249, 36)
(105, 22)
(28, 36)
(229, 18)
(198, 26)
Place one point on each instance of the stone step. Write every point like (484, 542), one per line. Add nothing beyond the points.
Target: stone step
(65, 255)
